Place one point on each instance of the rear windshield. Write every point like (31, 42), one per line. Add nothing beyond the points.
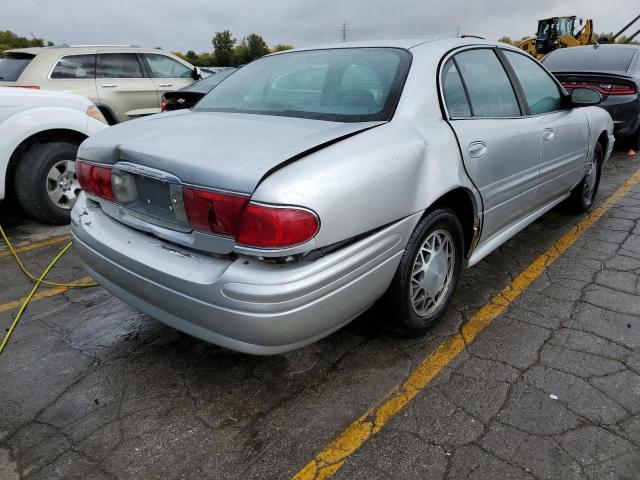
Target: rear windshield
(601, 59)
(12, 65)
(344, 85)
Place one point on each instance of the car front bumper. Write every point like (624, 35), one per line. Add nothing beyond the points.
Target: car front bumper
(238, 302)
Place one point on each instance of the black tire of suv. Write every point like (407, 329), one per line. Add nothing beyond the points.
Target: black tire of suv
(30, 181)
(398, 310)
(577, 201)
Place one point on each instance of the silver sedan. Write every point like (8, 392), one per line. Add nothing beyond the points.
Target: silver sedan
(314, 182)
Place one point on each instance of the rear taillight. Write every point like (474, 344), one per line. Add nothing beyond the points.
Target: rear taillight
(95, 179)
(164, 104)
(252, 224)
(32, 87)
(267, 226)
(213, 212)
(622, 89)
(603, 87)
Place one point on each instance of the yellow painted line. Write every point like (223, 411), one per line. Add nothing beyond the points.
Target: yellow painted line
(43, 294)
(333, 457)
(36, 245)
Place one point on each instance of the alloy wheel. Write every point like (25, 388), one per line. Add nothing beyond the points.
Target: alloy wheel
(590, 179)
(62, 184)
(432, 272)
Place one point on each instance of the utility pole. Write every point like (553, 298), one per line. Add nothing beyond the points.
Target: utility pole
(343, 31)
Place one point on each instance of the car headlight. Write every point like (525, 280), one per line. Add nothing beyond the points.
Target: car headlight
(94, 112)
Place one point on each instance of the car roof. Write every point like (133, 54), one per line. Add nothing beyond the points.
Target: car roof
(406, 43)
(78, 49)
(597, 46)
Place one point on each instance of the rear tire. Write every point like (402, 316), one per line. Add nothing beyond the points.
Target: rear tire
(583, 195)
(427, 275)
(45, 182)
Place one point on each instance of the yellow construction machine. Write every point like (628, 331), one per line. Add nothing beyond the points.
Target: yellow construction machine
(558, 32)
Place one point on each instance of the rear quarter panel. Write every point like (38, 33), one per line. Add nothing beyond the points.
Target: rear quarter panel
(370, 180)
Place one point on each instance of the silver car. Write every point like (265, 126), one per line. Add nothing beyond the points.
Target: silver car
(313, 182)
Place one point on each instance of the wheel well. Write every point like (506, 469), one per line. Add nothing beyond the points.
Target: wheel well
(57, 135)
(603, 139)
(462, 203)
(108, 114)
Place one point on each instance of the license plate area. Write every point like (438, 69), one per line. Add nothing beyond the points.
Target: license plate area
(149, 194)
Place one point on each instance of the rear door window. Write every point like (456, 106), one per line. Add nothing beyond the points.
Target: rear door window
(119, 65)
(541, 92)
(162, 66)
(75, 66)
(454, 94)
(490, 90)
(13, 64)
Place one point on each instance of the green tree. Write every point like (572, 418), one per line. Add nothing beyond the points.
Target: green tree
(281, 47)
(223, 44)
(9, 40)
(256, 47)
(606, 36)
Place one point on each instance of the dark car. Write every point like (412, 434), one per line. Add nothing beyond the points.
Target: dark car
(188, 96)
(614, 71)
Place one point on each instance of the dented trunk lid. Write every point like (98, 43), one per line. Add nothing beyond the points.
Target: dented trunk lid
(227, 151)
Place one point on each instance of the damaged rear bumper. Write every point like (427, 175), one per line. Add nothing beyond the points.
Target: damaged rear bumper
(239, 303)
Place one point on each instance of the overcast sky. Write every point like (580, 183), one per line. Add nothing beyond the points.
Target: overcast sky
(188, 24)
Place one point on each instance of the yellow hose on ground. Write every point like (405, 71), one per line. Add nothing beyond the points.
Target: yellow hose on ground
(32, 276)
(38, 281)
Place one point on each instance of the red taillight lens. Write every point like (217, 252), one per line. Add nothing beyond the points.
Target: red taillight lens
(95, 179)
(622, 89)
(276, 227)
(32, 87)
(603, 88)
(213, 212)
(163, 104)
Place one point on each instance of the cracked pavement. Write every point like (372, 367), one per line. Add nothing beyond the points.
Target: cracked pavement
(90, 388)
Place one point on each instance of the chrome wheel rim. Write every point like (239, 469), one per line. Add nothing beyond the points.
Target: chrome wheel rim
(432, 273)
(590, 179)
(62, 184)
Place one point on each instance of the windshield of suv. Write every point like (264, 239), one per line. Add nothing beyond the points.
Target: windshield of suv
(12, 65)
(342, 84)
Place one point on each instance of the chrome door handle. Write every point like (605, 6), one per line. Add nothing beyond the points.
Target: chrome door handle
(477, 149)
(108, 85)
(165, 85)
(548, 134)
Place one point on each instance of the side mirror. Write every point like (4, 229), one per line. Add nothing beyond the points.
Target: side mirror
(197, 74)
(582, 97)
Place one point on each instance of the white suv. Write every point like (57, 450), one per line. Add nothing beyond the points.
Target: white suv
(124, 82)
(40, 133)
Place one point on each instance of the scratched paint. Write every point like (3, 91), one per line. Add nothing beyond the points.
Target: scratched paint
(334, 455)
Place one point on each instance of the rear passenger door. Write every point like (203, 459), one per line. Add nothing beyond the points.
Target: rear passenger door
(500, 147)
(75, 74)
(167, 74)
(564, 132)
(123, 86)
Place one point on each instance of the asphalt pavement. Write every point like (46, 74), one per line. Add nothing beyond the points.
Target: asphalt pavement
(534, 372)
